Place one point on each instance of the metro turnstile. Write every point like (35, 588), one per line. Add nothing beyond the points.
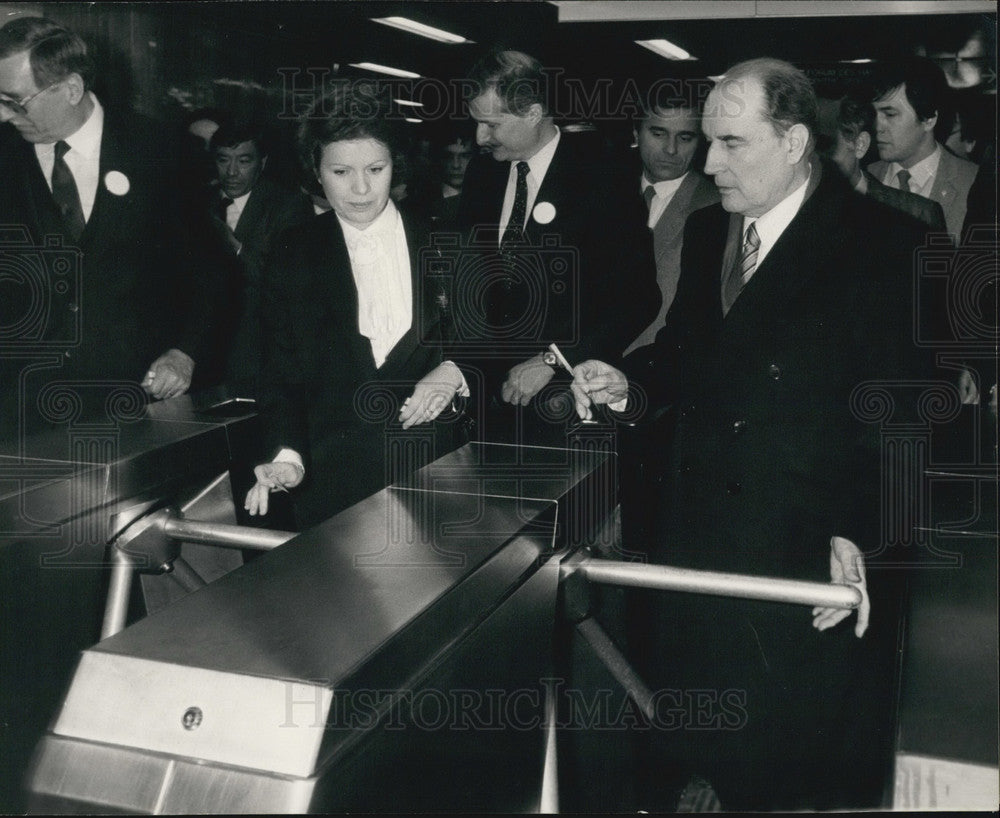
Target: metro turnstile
(397, 657)
(394, 658)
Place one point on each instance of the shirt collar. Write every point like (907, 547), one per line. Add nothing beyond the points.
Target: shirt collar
(538, 165)
(665, 188)
(86, 140)
(384, 223)
(922, 172)
(772, 224)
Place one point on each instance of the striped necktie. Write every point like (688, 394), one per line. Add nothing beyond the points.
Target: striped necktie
(740, 274)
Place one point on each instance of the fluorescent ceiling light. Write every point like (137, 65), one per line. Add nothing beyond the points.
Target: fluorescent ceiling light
(862, 61)
(665, 48)
(408, 103)
(384, 69)
(414, 120)
(413, 27)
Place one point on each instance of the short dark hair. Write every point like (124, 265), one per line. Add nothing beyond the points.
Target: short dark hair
(925, 86)
(854, 116)
(789, 98)
(350, 109)
(232, 133)
(673, 93)
(518, 79)
(54, 52)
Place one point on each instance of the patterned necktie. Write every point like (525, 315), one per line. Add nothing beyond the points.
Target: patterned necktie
(741, 272)
(749, 261)
(515, 226)
(65, 194)
(904, 180)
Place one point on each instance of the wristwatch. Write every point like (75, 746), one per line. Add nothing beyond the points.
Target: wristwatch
(550, 358)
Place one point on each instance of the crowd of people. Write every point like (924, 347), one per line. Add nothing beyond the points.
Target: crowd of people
(738, 278)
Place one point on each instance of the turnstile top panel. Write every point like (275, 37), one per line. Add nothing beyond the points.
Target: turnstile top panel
(317, 607)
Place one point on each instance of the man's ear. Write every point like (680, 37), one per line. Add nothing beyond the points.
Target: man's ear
(635, 139)
(798, 139)
(929, 123)
(76, 87)
(862, 142)
(535, 113)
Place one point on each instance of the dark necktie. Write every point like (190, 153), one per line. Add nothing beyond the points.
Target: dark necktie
(741, 272)
(515, 226)
(223, 210)
(904, 180)
(66, 196)
(648, 195)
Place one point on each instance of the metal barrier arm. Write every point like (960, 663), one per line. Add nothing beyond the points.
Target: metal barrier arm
(154, 542)
(742, 586)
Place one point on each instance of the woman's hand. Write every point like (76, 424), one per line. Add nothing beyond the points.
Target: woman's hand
(431, 395)
(271, 477)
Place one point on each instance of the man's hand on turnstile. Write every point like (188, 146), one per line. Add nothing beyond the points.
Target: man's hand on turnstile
(279, 476)
(525, 380)
(598, 382)
(169, 375)
(847, 567)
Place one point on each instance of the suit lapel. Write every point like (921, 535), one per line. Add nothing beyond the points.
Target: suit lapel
(253, 212)
(43, 213)
(671, 222)
(782, 274)
(332, 266)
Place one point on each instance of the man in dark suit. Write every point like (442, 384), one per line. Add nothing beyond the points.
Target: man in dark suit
(794, 294)
(911, 105)
(248, 212)
(668, 137)
(557, 251)
(120, 300)
(852, 142)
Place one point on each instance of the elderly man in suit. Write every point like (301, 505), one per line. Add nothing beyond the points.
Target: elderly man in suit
(794, 294)
(248, 211)
(851, 143)
(561, 253)
(99, 182)
(911, 104)
(668, 138)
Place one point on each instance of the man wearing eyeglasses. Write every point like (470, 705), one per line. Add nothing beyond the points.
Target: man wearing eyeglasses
(98, 181)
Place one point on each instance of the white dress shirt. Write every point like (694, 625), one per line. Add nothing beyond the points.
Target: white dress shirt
(664, 194)
(538, 166)
(83, 157)
(772, 224)
(235, 210)
(921, 174)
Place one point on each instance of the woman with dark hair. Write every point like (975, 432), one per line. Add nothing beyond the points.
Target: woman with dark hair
(351, 324)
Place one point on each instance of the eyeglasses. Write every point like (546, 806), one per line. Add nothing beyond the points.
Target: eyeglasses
(20, 107)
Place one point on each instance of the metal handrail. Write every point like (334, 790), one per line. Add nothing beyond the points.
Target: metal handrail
(744, 586)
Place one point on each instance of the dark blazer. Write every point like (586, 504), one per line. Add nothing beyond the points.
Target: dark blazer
(769, 459)
(320, 391)
(585, 280)
(696, 191)
(928, 211)
(951, 187)
(269, 211)
(105, 308)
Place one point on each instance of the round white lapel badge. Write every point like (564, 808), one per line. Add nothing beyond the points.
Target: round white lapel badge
(543, 212)
(116, 182)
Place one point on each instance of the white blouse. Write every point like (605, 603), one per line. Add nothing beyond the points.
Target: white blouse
(380, 263)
